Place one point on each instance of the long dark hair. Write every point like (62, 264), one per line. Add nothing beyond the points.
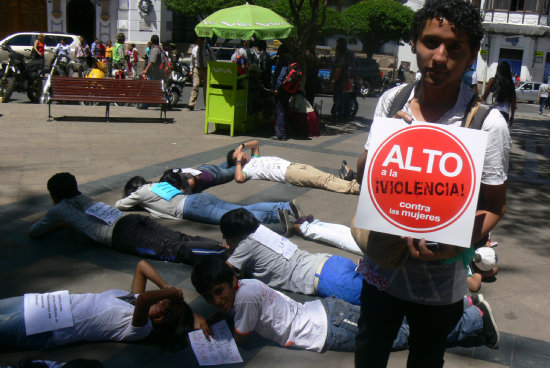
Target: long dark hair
(503, 82)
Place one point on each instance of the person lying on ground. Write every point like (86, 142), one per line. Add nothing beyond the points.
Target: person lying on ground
(160, 316)
(283, 171)
(206, 176)
(134, 234)
(170, 198)
(319, 325)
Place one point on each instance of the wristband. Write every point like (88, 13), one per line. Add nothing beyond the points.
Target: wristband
(237, 162)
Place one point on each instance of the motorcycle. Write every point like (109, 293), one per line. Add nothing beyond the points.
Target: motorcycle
(20, 75)
(388, 83)
(176, 81)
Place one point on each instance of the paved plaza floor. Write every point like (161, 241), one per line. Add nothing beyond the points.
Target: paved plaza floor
(103, 156)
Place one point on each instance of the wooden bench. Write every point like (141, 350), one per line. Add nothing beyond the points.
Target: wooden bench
(107, 91)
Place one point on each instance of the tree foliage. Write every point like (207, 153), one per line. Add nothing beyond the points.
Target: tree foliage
(376, 22)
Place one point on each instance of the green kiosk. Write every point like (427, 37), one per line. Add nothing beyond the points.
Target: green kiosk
(226, 97)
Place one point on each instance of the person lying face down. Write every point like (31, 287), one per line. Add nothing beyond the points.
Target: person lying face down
(161, 316)
(134, 234)
(170, 198)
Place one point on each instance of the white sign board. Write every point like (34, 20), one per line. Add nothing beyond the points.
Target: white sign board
(221, 349)
(422, 180)
(47, 312)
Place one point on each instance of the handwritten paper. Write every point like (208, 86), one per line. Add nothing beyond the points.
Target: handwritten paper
(105, 213)
(221, 349)
(165, 190)
(274, 241)
(47, 312)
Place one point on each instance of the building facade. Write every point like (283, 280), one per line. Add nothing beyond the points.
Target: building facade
(138, 19)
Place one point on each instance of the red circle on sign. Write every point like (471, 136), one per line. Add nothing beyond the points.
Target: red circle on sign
(421, 178)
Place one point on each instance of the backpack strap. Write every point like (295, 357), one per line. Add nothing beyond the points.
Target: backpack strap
(476, 114)
(400, 99)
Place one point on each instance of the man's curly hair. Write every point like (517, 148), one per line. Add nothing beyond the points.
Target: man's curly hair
(458, 12)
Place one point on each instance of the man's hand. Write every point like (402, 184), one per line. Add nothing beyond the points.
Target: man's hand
(200, 323)
(419, 250)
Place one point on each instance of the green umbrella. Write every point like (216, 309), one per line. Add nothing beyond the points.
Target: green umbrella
(244, 21)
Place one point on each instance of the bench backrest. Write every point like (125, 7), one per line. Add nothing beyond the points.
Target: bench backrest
(107, 90)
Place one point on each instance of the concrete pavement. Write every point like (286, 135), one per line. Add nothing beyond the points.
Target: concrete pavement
(103, 156)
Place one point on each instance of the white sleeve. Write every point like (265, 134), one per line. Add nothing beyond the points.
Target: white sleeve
(495, 167)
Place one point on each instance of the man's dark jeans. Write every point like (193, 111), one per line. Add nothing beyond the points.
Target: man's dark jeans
(381, 317)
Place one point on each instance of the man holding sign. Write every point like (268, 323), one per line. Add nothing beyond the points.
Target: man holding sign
(428, 282)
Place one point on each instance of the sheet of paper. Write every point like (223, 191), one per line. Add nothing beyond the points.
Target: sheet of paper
(188, 170)
(47, 312)
(165, 190)
(221, 349)
(105, 213)
(274, 241)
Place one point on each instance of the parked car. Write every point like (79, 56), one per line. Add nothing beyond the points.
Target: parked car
(528, 92)
(23, 43)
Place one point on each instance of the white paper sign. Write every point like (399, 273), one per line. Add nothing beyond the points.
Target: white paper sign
(47, 312)
(188, 170)
(422, 180)
(221, 349)
(105, 213)
(274, 241)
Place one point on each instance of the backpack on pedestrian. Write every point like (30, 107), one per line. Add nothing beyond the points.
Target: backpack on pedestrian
(293, 77)
(242, 64)
(165, 65)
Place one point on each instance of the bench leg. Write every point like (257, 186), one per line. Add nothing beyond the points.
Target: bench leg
(107, 106)
(49, 111)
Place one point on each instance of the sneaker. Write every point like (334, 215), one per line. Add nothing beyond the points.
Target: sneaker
(284, 219)
(295, 209)
(490, 329)
(477, 298)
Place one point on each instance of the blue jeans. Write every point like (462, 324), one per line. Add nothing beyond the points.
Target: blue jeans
(342, 320)
(221, 173)
(339, 279)
(12, 327)
(542, 104)
(204, 207)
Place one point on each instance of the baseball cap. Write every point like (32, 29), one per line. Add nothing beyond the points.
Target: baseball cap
(486, 258)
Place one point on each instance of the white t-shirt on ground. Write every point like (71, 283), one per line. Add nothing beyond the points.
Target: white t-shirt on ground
(266, 168)
(278, 318)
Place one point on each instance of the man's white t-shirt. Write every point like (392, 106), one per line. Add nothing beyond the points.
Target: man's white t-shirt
(433, 283)
(101, 317)
(278, 318)
(543, 89)
(266, 168)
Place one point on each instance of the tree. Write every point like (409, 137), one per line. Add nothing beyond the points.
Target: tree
(376, 22)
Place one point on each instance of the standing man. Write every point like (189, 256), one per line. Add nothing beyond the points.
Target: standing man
(153, 70)
(200, 56)
(543, 96)
(446, 37)
(82, 55)
(118, 51)
(95, 48)
(281, 96)
(339, 78)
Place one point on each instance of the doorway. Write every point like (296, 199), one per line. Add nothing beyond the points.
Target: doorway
(81, 19)
(22, 16)
(513, 57)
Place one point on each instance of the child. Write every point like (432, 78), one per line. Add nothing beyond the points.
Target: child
(113, 315)
(178, 204)
(319, 325)
(133, 233)
(134, 58)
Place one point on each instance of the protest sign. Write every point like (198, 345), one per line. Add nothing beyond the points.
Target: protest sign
(422, 180)
(221, 349)
(47, 312)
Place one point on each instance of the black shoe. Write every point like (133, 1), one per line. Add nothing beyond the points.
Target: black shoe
(284, 219)
(190, 108)
(490, 329)
(346, 174)
(295, 209)
(275, 138)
